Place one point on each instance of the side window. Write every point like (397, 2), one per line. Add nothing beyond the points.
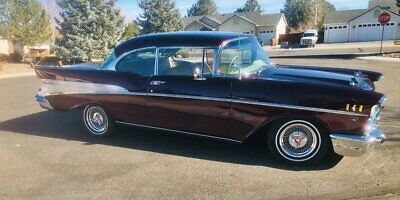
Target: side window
(185, 61)
(244, 56)
(140, 62)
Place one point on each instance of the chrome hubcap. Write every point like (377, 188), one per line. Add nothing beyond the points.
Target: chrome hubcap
(96, 120)
(298, 140)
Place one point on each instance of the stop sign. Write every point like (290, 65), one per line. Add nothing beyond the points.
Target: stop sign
(384, 18)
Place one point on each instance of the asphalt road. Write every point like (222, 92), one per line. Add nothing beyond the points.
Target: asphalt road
(47, 155)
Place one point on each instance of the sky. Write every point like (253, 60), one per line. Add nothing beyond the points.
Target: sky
(131, 9)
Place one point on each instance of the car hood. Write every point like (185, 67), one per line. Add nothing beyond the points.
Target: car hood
(307, 76)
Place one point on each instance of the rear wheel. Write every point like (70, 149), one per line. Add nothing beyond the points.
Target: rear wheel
(97, 122)
(298, 141)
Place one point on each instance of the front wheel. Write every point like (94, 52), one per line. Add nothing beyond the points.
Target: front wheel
(298, 141)
(97, 122)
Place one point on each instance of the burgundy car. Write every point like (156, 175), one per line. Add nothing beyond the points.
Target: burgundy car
(221, 86)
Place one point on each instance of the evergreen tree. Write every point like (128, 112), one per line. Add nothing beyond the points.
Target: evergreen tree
(159, 16)
(89, 29)
(250, 6)
(202, 7)
(131, 30)
(25, 21)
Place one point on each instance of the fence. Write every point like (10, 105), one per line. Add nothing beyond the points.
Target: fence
(294, 38)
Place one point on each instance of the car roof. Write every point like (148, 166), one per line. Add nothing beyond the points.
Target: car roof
(177, 39)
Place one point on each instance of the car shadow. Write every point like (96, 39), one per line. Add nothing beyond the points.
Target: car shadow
(68, 126)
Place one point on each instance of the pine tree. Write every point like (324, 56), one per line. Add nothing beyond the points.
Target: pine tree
(159, 16)
(202, 7)
(25, 21)
(89, 29)
(250, 6)
(131, 30)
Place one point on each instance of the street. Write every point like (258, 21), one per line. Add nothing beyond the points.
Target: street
(335, 49)
(48, 155)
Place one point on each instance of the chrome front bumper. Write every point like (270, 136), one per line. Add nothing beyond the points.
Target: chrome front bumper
(43, 102)
(350, 145)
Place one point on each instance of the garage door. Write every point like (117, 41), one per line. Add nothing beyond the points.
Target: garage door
(337, 34)
(373, 32)
(266, 36)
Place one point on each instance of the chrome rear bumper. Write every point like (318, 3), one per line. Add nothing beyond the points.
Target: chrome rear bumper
(43, 102)
(351, 145)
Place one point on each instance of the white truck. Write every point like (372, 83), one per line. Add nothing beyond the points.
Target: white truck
(309, 38)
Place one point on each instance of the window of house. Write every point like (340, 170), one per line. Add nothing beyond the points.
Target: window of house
(369, 25)
(141, 62)
(373, 24)
(340, 27)
(344, 26)
(272, 31)
(392, 24)
(354, 26)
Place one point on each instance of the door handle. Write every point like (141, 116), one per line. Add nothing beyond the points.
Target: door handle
(157, 82)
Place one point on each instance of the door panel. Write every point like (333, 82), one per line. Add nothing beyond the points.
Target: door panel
(136, 68)
(186, 104)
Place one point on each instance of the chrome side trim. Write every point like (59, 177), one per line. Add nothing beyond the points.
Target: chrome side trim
(51, 87)
(298, 107)
(182, 132)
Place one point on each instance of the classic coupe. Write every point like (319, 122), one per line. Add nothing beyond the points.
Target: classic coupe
(222, 86)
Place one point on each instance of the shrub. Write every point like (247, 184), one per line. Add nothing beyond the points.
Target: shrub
(15, 57)
(3, 58)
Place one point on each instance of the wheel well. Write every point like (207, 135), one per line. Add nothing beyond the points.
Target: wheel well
(261, 133)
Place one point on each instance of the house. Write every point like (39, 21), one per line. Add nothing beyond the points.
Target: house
(388, 4)
(6, 46)
(264, 26)
(360, 26)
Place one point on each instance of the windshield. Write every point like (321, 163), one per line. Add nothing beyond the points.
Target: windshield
(308, 35)
(110, 58)
(243, 57)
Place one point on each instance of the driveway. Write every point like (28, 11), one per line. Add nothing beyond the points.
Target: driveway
(47, 155)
